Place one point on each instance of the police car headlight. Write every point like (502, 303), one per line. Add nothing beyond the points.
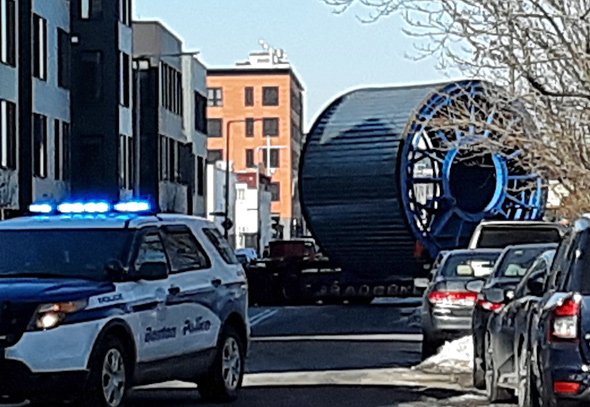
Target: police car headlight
(49, 316)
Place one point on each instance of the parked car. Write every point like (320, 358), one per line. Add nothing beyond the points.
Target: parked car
(246, 256)
(508, 272)
(507, 330)
(447, 304)
(557, 346)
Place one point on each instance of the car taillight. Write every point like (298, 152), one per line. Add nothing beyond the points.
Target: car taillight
(566, 387)
(565, 319)
(452, 298)
(490, 306)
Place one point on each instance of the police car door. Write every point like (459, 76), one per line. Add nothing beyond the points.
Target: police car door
(155, 330)
(193, 300)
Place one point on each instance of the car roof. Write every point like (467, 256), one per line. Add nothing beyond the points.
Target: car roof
(530, 246)
(105, 221)
(519, 223)
(472, 251)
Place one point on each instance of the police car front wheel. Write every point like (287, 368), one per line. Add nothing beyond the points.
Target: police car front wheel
(109, 373)
(225, 376)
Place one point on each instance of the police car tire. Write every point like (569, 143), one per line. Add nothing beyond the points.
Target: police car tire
(94, 396)
(212, 387)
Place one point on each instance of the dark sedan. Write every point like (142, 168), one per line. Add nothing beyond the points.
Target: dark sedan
(507, 332)
(447, 304)
(508, 272)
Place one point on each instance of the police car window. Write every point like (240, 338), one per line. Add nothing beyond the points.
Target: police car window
(221, 245)
(151, 250)
(184, 250)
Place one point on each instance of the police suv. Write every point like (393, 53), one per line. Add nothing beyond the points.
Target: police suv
(97, 298)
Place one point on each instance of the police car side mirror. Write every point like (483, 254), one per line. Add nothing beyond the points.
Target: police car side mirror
(152, 271)
(115, 270)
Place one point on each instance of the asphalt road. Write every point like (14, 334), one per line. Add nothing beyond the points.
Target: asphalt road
(329, 356)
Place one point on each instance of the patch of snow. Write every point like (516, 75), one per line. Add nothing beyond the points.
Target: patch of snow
(466, 400)
(453, 357)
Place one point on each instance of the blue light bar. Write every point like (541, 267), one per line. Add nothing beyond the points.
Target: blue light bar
(133, 206)
(41, 208)
(84, 207)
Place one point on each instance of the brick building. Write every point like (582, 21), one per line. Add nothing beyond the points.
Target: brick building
(260, 103)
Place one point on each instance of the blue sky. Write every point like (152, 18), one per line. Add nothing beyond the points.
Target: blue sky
(331, 53)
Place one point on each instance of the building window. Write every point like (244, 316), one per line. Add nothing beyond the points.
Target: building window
(169, 162)
(90, 75)
(215, 97)
(64, 58)
(270, 96)
(61, 160)
(40, 145)
(200, 113)
(275, 191)
(90, 9)
(173, 173)
(271, 127)
(214, 155)
(250, 158)
(7, 135)
(275, 160)
(65, 151)
(249, 127)
(164, 158)
(39, 47)
(8, 32)
(125, 79)
(126, 158)
(57, 149)
(214, 127)
(249, 96)
(125, 11)
(171, 89)
(200, 176)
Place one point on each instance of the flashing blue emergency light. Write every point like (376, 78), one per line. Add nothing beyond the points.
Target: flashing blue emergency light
(41, 208)
(133, 206)
(83, 207)
(91, 207)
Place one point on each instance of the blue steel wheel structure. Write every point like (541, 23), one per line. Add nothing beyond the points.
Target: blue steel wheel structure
(377, 176)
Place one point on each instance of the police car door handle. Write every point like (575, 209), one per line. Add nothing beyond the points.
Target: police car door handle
(174, 290)
(216, 282)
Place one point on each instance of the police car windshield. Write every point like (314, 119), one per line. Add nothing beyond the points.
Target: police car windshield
(61, 253)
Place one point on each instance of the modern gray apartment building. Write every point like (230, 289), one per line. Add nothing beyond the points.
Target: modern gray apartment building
(172, 109)
(34, 102)
(103, 147)
(76, 122)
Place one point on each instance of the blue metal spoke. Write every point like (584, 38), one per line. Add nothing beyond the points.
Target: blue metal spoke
(440, 222)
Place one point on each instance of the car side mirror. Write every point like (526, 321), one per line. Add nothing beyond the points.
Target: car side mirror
(475, 286)
(115, 270)
(495, 295)
(152, 271)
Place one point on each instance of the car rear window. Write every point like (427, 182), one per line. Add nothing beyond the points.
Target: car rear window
(469, 265)
(494, 238)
